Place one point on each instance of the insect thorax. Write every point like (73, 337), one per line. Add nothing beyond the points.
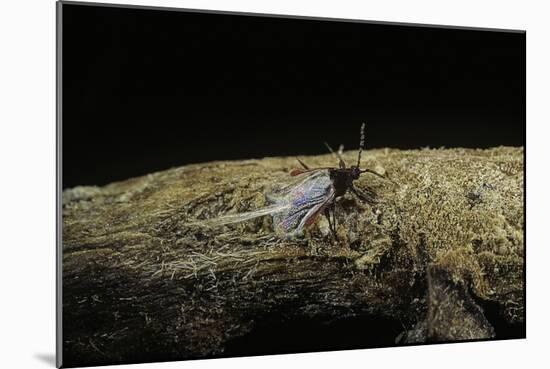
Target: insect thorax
(342, 179)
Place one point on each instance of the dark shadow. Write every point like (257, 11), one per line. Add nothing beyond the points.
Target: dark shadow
(503, 329)
(46, 358)
(274, 336)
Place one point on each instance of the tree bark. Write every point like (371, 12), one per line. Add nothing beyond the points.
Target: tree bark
(143, 281)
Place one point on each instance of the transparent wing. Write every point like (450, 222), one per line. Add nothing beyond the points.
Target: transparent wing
(242, 217)
(303, 202)
(286, 189)
(293, 205)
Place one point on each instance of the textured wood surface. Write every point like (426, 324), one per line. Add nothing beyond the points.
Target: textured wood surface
(142, 281)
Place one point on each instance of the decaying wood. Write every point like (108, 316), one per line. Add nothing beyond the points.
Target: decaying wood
(141, 281)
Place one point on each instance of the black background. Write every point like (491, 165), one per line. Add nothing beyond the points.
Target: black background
(146, 90)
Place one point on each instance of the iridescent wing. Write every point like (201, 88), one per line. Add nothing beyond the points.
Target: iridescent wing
(242, 217)
(293, 207)
(304, 202)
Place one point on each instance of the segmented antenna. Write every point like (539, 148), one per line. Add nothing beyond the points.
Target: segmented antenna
(341, 150)
(329, 148)
(337, 154)
(361, 144)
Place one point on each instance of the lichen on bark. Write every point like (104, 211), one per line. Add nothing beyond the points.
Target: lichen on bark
(142, 281)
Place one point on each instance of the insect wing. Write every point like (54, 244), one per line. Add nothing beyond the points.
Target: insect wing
(282, 190)
(304, 202)
(242, 217)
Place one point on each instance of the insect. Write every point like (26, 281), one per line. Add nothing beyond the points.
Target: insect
(297, 206)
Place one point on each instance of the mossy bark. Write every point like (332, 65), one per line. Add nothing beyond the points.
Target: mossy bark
(143, 281)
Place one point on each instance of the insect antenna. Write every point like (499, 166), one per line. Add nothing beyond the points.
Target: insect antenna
(341, 150)
(337, 154)
(373, 172)
(379, 175)
(361, 144)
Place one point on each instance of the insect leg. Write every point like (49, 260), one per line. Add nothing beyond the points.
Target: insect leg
(368, 196)
(379, 175)
(334, 217)
(327, 215)
(331, 224)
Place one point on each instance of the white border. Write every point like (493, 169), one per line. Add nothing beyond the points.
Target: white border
(27, 157)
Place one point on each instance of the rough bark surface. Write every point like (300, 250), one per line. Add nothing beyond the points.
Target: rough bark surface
(143, 281)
